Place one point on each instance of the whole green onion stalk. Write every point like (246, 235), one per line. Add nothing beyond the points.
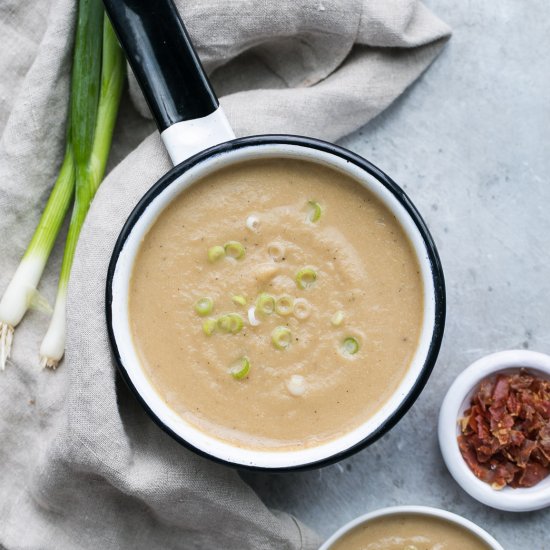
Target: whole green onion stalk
(84, 104)
(96, 53)
(21, 290)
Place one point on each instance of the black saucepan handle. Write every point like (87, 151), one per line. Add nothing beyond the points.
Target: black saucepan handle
(163, 60)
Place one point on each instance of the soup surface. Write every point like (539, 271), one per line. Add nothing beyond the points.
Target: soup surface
(409, 532)
(276, 304)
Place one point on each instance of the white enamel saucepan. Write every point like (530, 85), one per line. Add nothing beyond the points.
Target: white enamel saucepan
(200, 141)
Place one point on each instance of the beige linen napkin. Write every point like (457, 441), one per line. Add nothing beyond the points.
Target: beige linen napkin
(81, 465)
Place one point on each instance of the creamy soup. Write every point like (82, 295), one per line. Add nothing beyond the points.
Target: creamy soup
(276, 304)
(409, 532)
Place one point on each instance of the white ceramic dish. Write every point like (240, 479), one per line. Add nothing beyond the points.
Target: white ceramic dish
(457, 401)
(416, 510)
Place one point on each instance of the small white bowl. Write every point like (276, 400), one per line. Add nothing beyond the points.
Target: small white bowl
(416, 510)
(457, 401)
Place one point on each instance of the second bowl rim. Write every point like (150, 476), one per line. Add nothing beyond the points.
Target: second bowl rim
(413, 509)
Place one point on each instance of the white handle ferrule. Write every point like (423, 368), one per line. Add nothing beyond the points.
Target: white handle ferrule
(184, 139)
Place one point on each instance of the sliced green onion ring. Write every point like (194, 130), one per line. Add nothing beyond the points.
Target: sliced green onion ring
(223, 323)
(315, 211)
(306, 277)
(296, 385)
(265, 303)
(281, 337)
(337, 319)
(230, 323)
(204, 306)
(236, 323)
(234, 249)
(252, 317)
(253, 223)
(350, 346)
(276, 251)
(240, 369)
(238, 300)
(215, 253)
(301, 309)
(284, 305)
(209, 326)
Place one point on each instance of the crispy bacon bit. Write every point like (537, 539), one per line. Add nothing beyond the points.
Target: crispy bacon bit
(505, 437)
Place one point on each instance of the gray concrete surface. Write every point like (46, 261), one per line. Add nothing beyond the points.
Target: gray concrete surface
(470, 142)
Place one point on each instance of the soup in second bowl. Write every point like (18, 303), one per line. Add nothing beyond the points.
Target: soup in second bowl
(409, 532)
(276, 304)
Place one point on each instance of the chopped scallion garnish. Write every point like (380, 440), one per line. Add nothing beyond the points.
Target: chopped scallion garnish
(253, 223)
(252, 317)
(281, 337)
(350, 346)
(284, 304)
(337, 319)
(234, 249)
(230, 323)
(301, 308)
(296, 385)
(209, 326)
(204, 306)
(239, 300)
(315, 211)
(306, 277)
(215, 253)
(276, 251)
(236, 323)
(265, 303)
(240, 369)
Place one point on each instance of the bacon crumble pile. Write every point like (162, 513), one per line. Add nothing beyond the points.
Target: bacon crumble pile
(505, 436)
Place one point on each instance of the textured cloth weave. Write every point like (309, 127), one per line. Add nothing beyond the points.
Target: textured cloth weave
(82, 465)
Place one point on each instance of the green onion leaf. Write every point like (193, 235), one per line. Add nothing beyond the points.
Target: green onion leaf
(239, 300)
(234, 249)
(240, 369)
(284, 304)
(315, 211)
(281, 337)
(337, 319)
(86, 78)
(209, 326)
(265, 303)
(306, 277)
(204, 306)
(215, 253)
(350, 346)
